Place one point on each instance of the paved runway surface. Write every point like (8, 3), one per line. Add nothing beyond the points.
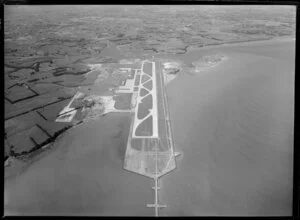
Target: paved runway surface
(149, 149)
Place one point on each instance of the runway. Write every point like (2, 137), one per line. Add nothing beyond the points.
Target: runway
(150, 150)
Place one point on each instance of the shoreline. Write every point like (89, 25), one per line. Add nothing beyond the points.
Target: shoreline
(16, 164)
(241, 43)
(229, 44)
(168, 79)
(197, 69)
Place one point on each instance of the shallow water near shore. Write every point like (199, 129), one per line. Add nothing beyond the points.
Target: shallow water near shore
(232, 123)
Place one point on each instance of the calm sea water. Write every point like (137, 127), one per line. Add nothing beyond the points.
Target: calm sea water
(233, 125)
(83, 176)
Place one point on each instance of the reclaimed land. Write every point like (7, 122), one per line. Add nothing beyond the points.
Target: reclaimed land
(53, 60)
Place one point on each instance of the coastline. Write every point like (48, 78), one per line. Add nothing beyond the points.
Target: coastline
(207, 186)
(168, 79)
(242, 43)
(76, 177)
(16, 165)
(117, 110)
